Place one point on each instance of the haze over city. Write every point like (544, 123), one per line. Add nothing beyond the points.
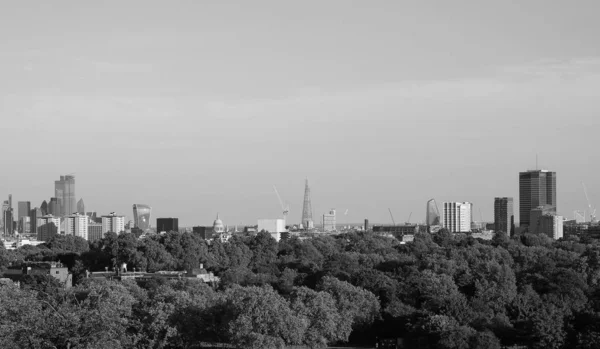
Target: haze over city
(202, 107)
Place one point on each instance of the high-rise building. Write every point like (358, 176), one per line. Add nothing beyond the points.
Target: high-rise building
(172, 224)
(432, 213)
(34, 215)
(44, 208)
(94, 231)
(536, 188)
(456, 216)
(536, 214)
(141, 216)
(23, 209)
(54, 207)
(65, 193)
(307, 219)
(47, 227)
(504, 219)
(80, 206)
(4, 209)
(8, 217)
(76, 225)
(551, 225)
(113, 223)
(329, 221)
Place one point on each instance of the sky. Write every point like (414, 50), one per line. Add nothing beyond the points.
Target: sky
(200, 107)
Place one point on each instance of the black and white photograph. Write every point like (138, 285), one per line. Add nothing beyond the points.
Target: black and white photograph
(278, 174)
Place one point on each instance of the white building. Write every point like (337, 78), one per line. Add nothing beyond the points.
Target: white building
(77, 225)
(273, 226)
(47, 227)
(329, 221)
(113, 223)
(456, 216)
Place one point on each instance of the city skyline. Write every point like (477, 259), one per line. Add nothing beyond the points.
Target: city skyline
(369, 102)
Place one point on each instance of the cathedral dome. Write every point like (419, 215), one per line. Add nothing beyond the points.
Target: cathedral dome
(218, 226)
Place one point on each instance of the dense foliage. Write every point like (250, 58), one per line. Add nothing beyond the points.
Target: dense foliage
(440, 291)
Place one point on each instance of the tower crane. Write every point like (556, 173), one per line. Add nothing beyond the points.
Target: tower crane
(409, 216)
(285, 209)
(391, 215)
(592, 209)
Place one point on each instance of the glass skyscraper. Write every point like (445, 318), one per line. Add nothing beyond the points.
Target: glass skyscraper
(64, 190)
(504, 218)
(536, 188)
(432, 214)
(141, 216)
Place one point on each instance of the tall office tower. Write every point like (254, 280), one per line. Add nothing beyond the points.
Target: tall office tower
(172, 224)
(4, 209)
(77, 225)
(8, 218)
(47, 227)
(432, 213)
(456, 216)
(65, 193)
(141, 216)
(504, 218)
(536, 188)
(44, 207)
(113, 223)
(34, 215)
(54, 207)
(23, 208)
(536, 214)
(329, 221)
(80, 207)
(307, 220)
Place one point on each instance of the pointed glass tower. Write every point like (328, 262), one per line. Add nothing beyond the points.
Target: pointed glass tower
(307, 219)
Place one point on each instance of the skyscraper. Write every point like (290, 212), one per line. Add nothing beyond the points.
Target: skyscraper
(44, 208)
(80, 207)
(23, 208)
(64, 190)
(536, 188)
(307, 220)
(432, 213)
(329, 223)
(34, 215)
(54, 207)
(141, 216)
(504, 219)
(8, 218)
(456, 216)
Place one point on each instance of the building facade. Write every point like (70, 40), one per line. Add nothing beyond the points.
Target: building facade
(64, 190)
(94, 231)
(141, 216)
(47, 227)
(536, 188)
(329, 221)
(34, 215)
(23, 208)
(504, 218)
(167, 224)
(80, 206)
(551, 225)
(8, 217)
(77, 225)
(456, 216)
(113, 223)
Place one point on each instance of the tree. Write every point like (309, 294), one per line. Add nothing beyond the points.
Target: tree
(257, 317)
(318, 309)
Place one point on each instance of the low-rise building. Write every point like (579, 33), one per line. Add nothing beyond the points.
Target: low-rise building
(55, 269)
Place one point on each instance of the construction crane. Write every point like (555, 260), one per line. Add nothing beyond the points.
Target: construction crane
(391, 215)
(592, 209)
(409, 216)
(285, 209)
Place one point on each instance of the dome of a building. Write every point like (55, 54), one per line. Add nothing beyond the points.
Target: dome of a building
(218, 226)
